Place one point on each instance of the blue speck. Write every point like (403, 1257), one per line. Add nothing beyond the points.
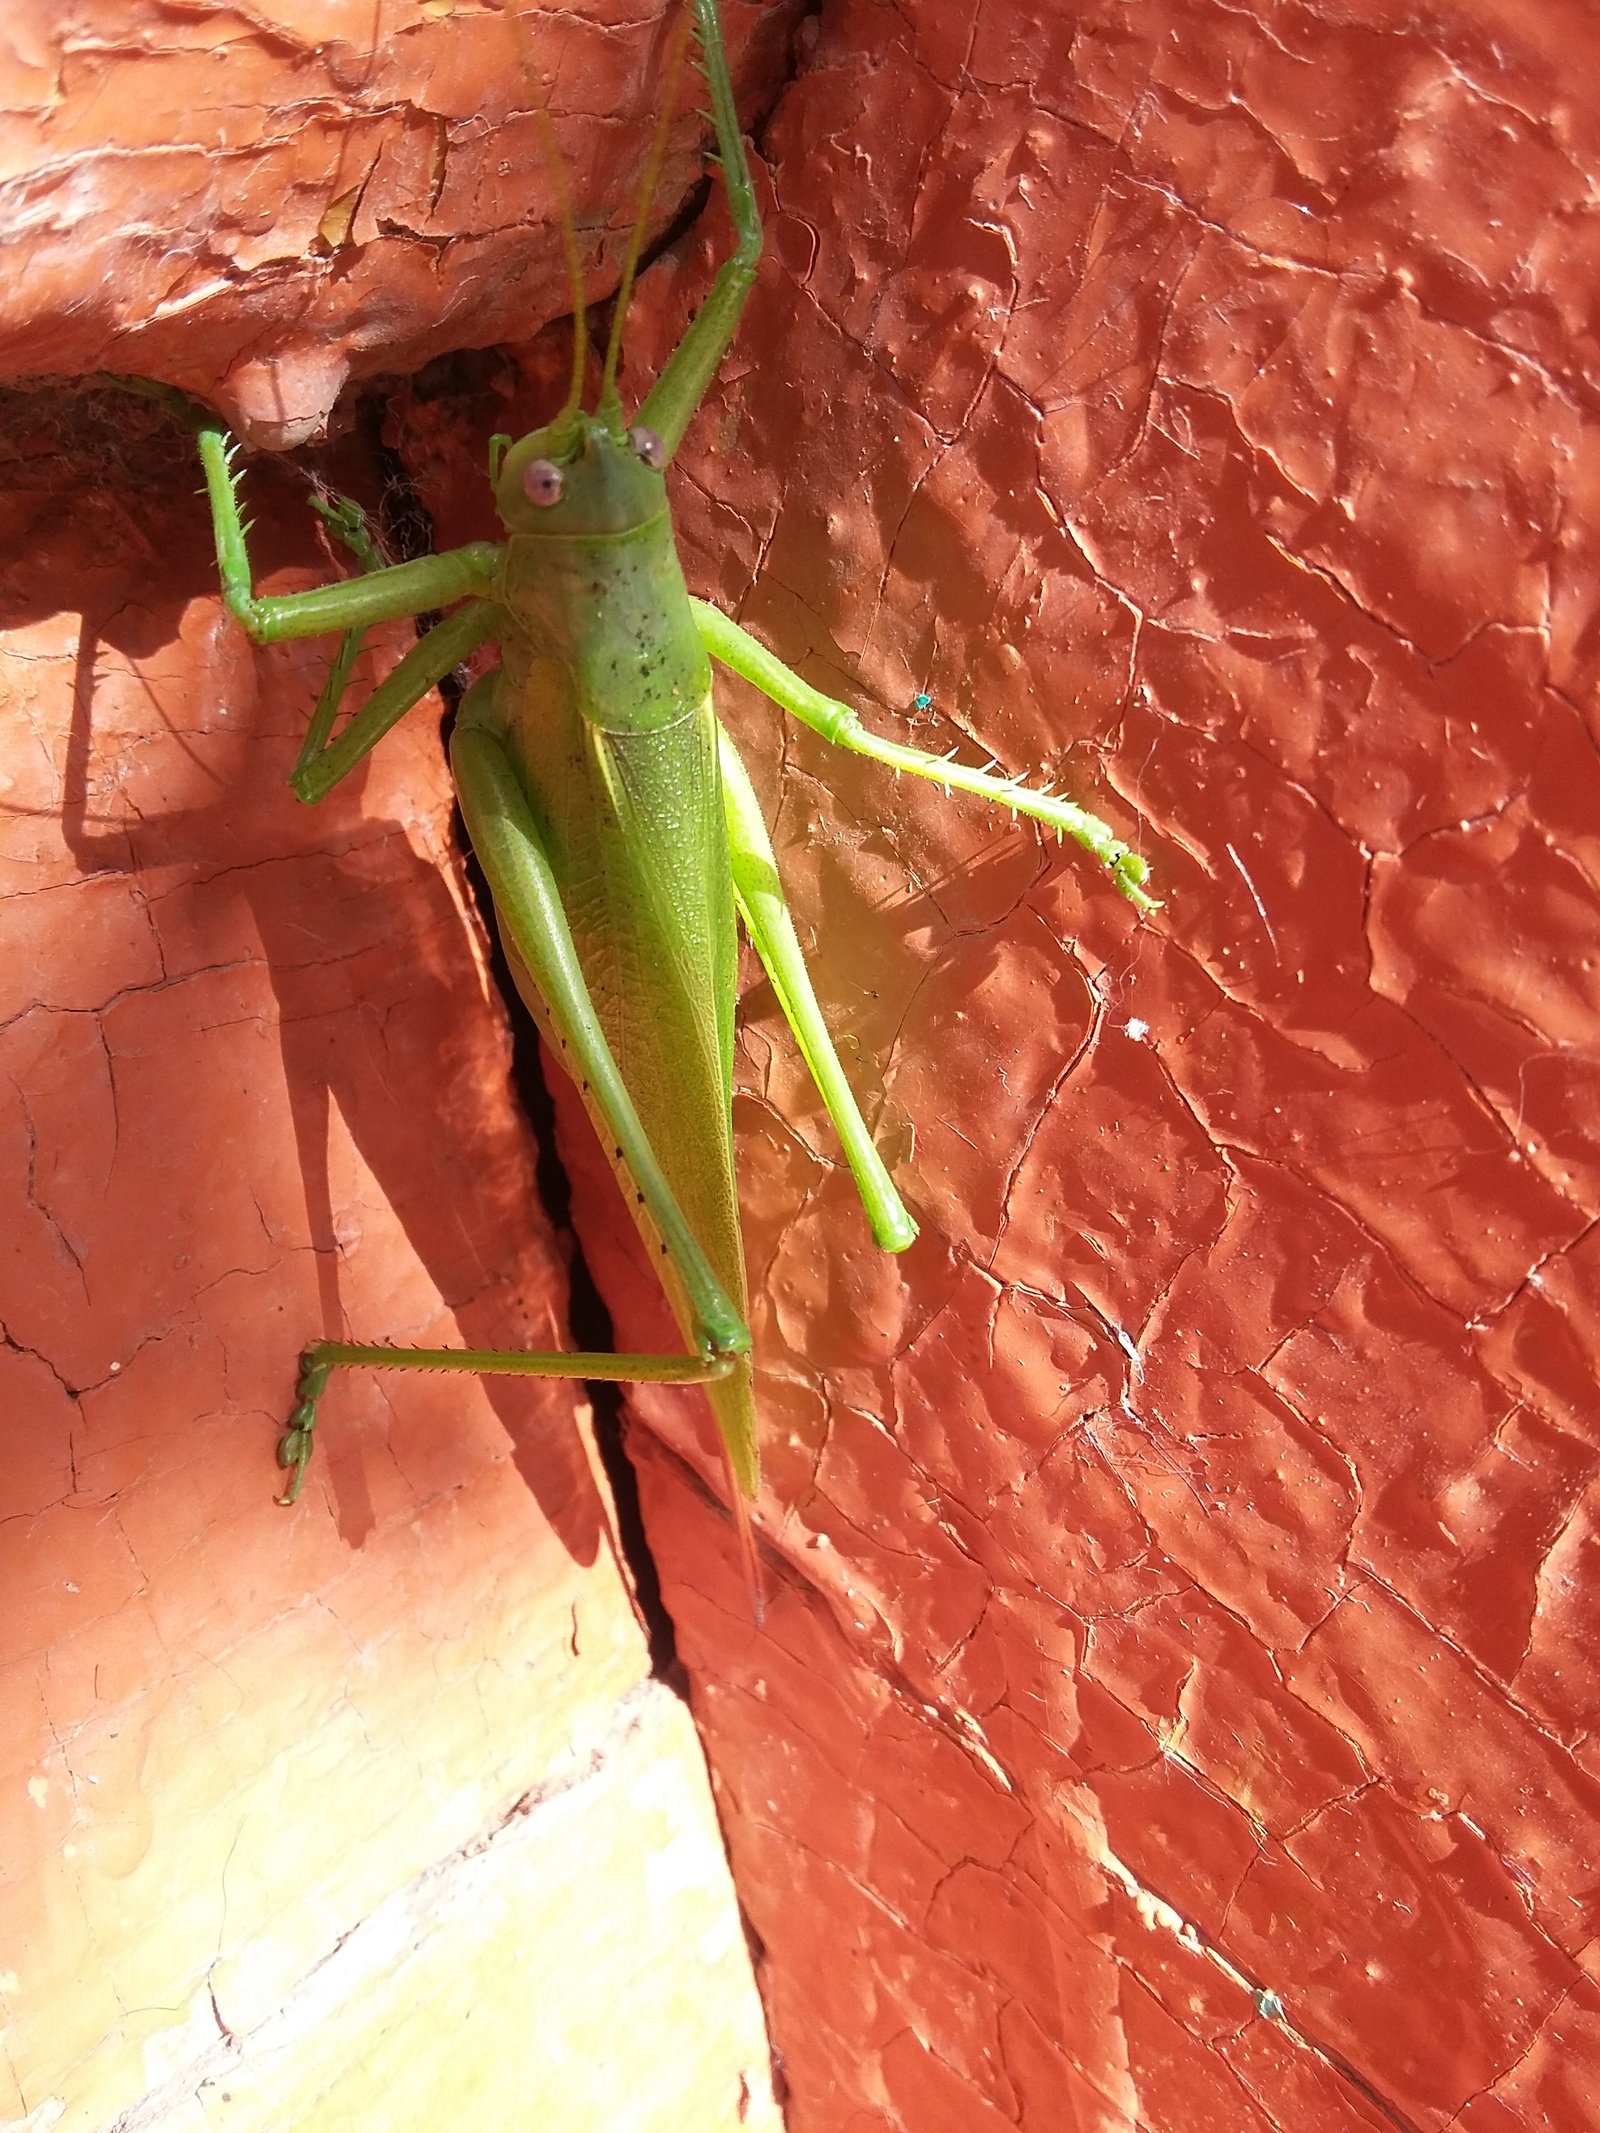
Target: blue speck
(1268, 2005)
(922, 701)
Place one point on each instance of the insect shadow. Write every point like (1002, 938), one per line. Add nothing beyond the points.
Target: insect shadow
(360, 938)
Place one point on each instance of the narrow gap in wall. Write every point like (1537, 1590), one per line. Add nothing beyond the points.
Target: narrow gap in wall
(756, 1948)
(407, 533)
(800, 35)
(694, 206)
(588, 1319)
(403, 518)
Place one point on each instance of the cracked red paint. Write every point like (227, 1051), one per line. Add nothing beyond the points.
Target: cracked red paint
(1204, 406)
(361, 188)
(1177, 1705)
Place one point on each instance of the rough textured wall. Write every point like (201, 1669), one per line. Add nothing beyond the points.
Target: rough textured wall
(262, 203)
(1175, 1700)
(1191, 1569)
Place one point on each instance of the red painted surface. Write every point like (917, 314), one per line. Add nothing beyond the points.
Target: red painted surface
(1176, 1703)
(264, 207)
(1189, 1546)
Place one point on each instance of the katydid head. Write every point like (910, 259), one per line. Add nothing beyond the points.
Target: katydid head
(582, 474)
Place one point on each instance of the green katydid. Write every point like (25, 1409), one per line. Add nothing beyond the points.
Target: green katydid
(612, 816)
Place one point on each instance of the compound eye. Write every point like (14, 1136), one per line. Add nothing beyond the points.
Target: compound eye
(649, 446)
(541, 481)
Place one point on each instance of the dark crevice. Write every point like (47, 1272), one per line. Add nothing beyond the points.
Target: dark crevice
(405, 526)
(696, 201)
(756, 1948)
(588, 1320)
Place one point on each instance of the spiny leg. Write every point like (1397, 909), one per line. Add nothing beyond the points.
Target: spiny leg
(765, 912)
(672, 400)
(836, 722)
(388, 594)
(396, 593)
(296, 1444)
(321, 763)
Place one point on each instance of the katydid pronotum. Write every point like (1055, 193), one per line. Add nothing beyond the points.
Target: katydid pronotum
(611, 814)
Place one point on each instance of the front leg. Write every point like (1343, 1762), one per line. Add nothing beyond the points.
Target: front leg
(379, 595)
(401, 591)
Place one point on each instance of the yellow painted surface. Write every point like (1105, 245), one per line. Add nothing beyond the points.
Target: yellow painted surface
(581, 1969)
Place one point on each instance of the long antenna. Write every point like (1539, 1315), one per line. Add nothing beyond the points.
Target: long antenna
(556, 168)
(647, 193)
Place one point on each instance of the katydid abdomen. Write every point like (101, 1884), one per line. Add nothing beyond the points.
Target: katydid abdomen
(604, 706)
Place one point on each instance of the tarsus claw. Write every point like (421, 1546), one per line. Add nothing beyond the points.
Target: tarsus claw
(296, 1444)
